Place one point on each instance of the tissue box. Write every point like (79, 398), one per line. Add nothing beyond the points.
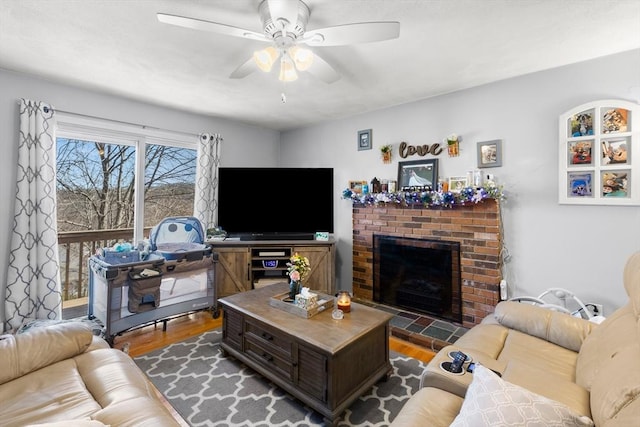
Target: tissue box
(306, 302)
(324, 302)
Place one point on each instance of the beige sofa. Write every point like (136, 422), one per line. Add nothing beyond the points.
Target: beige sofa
(552, 365)
(63, 375)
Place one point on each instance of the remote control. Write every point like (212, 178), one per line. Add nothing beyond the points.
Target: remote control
(458, 360)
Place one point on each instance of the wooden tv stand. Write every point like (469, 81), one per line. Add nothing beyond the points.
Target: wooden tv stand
(247, 264)
(325, 363)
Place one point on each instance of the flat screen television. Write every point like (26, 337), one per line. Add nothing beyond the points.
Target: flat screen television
(275, 203)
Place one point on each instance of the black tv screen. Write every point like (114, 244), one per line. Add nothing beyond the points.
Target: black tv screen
(275, 203)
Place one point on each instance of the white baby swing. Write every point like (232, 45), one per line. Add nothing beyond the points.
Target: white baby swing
(564, 301)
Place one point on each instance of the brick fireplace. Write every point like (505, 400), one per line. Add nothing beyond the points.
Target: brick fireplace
(476, 227)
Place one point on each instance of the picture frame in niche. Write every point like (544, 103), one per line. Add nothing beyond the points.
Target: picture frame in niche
(615, 150)
(580, 184)
(490, 154)
(599, 154)
(457, 183)
(364, 140)
(615, 183)
(418, 174)
(580, 152)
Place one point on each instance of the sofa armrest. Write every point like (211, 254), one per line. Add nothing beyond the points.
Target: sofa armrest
(40, 347)
(553, 326)
(436, 377)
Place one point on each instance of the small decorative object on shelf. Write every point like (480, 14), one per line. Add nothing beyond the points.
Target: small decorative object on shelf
(216, 233)
(385, 150)
(453, 145)
(344, 301)
(298, 269)
(375, 185)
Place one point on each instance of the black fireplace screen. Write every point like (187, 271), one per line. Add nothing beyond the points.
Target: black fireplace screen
(418, 274)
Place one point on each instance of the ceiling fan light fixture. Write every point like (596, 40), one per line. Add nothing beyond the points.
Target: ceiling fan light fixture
(303, 58)
(287, 71)
(265, 58)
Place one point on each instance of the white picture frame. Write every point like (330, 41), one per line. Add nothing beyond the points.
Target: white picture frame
(599, 154)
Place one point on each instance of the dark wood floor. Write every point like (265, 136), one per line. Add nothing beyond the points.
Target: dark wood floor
(150, 338)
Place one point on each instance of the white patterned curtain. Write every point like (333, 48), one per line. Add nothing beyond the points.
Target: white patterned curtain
(206, 202)
(33, 276)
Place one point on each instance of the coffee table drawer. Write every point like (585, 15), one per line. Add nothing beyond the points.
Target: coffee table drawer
(273, 362)
(270, 339)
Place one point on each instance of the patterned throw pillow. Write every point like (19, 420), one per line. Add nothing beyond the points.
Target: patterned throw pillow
(491, 401)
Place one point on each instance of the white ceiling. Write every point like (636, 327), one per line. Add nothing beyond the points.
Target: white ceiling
(119, 47)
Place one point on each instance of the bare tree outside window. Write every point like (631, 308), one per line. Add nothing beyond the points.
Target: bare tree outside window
(96, 185)
(96, 192)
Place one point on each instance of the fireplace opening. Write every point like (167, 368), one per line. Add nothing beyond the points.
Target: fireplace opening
(421, 275)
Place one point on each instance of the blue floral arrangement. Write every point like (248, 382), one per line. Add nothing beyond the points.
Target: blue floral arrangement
(428, 199)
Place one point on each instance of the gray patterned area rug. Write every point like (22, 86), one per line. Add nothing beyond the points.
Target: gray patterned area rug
(208, 389)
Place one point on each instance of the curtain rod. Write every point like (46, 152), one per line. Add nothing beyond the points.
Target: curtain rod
(124, 123)
(70, 113)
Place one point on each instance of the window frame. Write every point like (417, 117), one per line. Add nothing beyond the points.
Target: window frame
(113, 132)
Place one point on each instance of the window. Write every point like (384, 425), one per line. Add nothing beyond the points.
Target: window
(97, 166)
(101, 198)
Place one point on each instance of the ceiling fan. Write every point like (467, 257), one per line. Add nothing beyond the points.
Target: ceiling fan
(284, 25)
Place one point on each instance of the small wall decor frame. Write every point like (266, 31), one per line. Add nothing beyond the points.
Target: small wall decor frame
(599, 154)
(457, 183)
(356, 186)
(418, 173)
(490, 154)
(364, 140)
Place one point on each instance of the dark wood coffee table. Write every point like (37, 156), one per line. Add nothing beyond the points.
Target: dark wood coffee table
(325, 363)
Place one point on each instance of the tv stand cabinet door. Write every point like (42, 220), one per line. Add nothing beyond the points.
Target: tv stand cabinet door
(233, 270)
(322, 276)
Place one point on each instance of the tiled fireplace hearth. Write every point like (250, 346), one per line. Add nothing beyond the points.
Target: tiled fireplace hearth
(475, 227)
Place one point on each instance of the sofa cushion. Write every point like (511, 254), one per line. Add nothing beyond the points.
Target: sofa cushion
(429, 406)
(537, 380)
(604, 343)
(491, 401)
(125, 379)
(539, 354)
(553, 326)
(485, 338)
(615, 391)
(40, 347)
(54, 393)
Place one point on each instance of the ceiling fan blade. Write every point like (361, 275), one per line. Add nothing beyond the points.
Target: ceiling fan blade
(248, 67)
(322, 70)
(362, 32)
(287, 9)
(199, 24)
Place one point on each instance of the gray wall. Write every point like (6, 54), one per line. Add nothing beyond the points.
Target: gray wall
(239, 139)
(580, 248)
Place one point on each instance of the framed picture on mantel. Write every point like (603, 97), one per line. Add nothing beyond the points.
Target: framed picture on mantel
(417, 173)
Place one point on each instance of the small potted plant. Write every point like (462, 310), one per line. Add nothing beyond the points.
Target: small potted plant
(453, 145)
(385, 150)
